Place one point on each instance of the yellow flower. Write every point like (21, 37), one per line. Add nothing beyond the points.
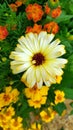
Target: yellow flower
(3, 121)
(10, 95)
(35, 92)
(59, 96)
(37, 103)
(38, 55)
(58, 79)
(36, 96)
(5, 99)
(47, 116)
(16, 123)
(35, 126)
(9, 112)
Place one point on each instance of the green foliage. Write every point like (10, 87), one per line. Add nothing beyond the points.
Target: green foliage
(60, 108)
(16, 23)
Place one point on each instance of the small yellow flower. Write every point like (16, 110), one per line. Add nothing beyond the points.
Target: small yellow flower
(37, 103)
(36, 97)
(8, 96)
(47, 116)
(16, 124)
(59, 96)
(35, 126)
(5, 99)
(9, 112)
(35, 92)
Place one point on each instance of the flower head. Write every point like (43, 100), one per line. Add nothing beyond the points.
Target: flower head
(35, 126)
(16, 123)
(13, 7)
(3, 32)
(56, 12)
(35, 29)
(34, 12)
(36, 97)
(39, 57)
(59, 96)
(47, 116)
(51, 27)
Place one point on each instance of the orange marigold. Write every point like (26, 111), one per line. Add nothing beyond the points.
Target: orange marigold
(34, 12)
(18, 3)
(56, 12)
(3, 32)
(13, 7)
(35, 29)
(47, 9)
(51, 27)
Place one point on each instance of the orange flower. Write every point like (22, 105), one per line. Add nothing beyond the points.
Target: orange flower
(13, 7)
(3, 32)
(36, 28)
(51, 27)
(56, 12)
(47, 9)
(34, 12)
(18, 3)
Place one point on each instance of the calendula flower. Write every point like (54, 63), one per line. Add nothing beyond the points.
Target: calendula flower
(3, 32)
(56, 12)
(59, 96)
(34, 12)
(35, 126)
(35, 29)
(39, 56)
(47, 116)
(51, 27)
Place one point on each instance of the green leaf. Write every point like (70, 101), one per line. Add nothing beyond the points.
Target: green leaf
(68, 92)
(63, 17)
(60, 108)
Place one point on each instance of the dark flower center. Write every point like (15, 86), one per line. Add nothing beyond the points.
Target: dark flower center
(38, 59)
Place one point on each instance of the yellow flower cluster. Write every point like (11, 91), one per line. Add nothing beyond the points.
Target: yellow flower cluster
(8, 96)
(36, 97)
(8, 121)
(48, 116)
(35, 127)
